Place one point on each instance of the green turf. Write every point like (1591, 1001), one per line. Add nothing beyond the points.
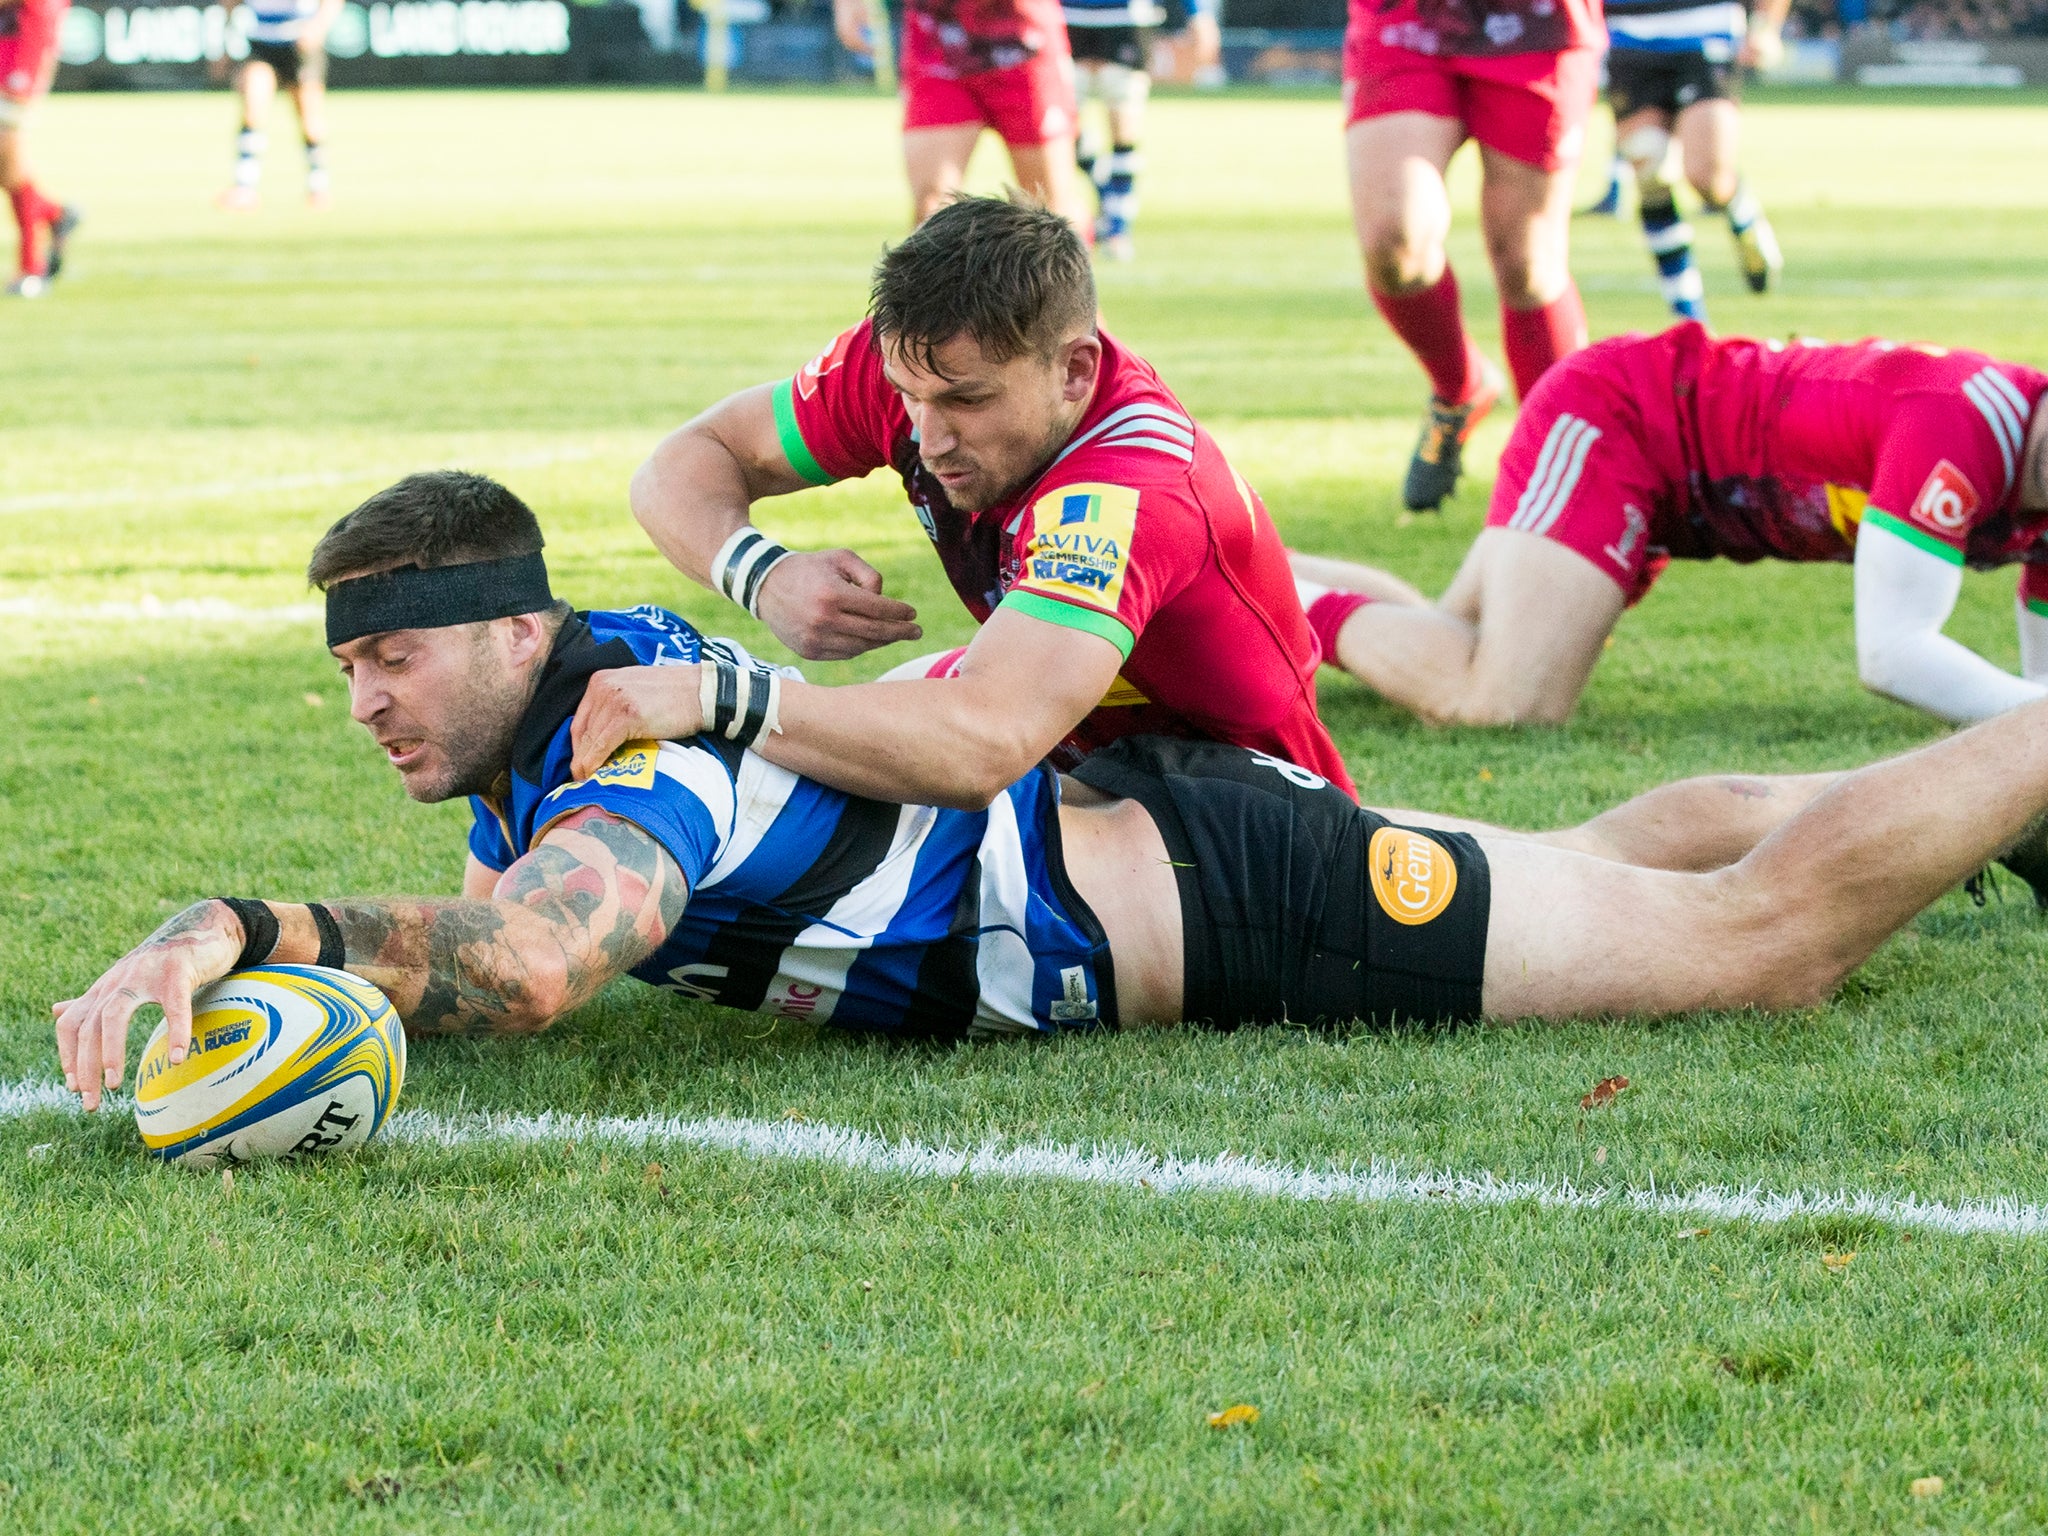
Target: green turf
(560, 1338)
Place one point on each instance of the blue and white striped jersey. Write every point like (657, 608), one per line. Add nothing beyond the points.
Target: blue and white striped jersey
(1113, 13)
(806, 902)
(279, 21)
(1714, 30)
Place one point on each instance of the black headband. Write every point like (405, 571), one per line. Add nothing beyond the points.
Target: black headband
(411, 598)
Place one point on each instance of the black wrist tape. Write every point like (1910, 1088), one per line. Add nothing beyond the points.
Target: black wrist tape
(259, 930)
(332, 951)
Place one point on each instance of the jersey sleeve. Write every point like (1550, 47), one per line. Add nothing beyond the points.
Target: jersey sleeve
(837, 416)
(679, 793)
(1948, 461)
(1104, 558)
(487, 836)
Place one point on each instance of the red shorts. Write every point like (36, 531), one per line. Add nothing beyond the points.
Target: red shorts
(1530, 106)
(1576, 472)
(1029, 104)
(28, 49)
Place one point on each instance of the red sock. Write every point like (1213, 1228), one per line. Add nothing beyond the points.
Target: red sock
(1536, 338)
(32, 211)
(1429, 321)
(1326, 616)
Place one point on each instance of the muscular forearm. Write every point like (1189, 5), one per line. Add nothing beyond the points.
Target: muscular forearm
(448, 966)
(937, 741)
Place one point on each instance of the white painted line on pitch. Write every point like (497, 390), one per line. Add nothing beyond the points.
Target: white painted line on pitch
(228, 490)
(153, 610)
(1131, 1168)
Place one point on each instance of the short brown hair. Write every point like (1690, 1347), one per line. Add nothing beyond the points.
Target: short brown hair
(439, 517)
(1003, 270)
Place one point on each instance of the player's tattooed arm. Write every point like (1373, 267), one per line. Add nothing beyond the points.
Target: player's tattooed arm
(593, 899)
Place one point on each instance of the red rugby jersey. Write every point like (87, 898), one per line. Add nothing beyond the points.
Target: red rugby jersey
(1471, 27)
(1138, 531)
(951, 38)
(1787, 450)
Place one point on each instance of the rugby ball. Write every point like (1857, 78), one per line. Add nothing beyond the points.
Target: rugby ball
(285, 1060)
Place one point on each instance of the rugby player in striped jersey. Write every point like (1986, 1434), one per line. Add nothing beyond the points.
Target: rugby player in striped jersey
(1909, 462)
(287, 51)
(1165, 880)
(1674, 70)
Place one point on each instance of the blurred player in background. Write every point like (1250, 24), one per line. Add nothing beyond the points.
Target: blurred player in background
(967, 65)
(1112, 41)
(28, 61)
(1675, 70)
(1910, 462)
(1420, 77)
(288, 50)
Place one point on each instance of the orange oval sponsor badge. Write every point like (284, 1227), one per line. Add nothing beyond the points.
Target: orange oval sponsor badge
(1413, 877)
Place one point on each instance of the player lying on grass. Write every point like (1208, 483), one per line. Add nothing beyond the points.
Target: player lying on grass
(1164, 880)
(1910, 461)
(1126, 578)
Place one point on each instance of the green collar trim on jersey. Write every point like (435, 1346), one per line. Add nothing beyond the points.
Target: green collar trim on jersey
(794, 448)
(1919, 538)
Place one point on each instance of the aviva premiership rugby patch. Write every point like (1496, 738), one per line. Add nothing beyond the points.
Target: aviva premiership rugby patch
(632, 766)
(1080, 544)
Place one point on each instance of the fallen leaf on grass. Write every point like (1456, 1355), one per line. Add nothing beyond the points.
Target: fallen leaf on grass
(1926, 1487)
(1094, 1388)
(1837, 1262)
(1604, 1093)
(1695, 1232)
(227, 1180)
(652, 1175)
(1599, 1154)
(1234, 1415)
(797, 1116)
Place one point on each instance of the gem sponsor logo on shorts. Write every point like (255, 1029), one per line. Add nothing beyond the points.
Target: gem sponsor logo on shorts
(1413, 877)
(1080, 543)
(1947, 501)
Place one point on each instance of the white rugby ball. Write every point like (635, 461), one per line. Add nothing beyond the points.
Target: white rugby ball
(285, 1060)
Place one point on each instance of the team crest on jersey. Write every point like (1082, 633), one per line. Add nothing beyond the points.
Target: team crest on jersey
(631, 767)
(814, 371)
(1413, 877)
(1947, 501)
(1080, 544)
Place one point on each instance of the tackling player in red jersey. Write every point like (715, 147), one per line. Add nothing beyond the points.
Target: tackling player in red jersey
(967, 65)
(1909, 461)
(1420, 77)
(1125, 577)
(28, 62)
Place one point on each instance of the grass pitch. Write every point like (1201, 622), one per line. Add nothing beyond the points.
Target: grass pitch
(564, 1337)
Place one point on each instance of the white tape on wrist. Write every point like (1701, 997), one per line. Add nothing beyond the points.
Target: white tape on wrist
(742, 564)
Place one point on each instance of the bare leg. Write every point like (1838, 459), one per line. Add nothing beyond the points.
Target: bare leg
(1348, 576)
(1709, 143)
(1572, 935)
(1047, 171)
(1512, 642)
(1399, 204)
(936, 161)
(1526, 215)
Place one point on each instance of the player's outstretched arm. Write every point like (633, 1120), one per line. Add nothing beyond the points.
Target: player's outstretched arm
(593, 899)
(697, 490)
(956, 741)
